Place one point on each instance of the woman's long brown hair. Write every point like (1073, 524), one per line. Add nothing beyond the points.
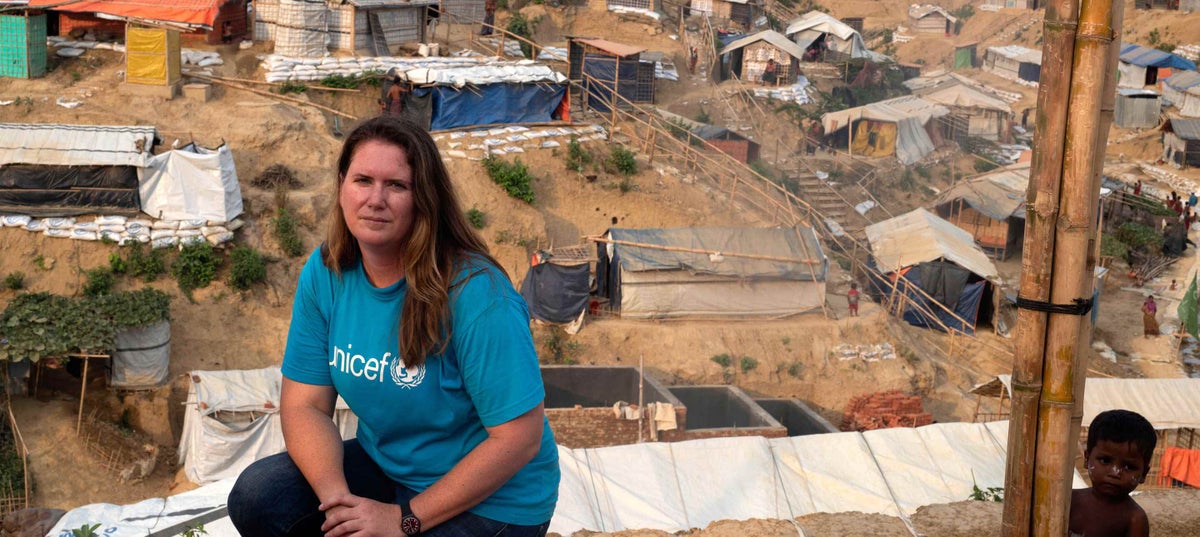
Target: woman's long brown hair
(438, 243)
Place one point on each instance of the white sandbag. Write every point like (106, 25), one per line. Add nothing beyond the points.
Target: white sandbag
(192, 224)
(15, 220)
(36, 225)
(69, 52)
(549, 144)
(456, 153)
(209, 230)
(86, 44)
(235, 224)
(273, 78)
(106, 220)
(79, 234)
(127, 238)
(114, 236)
(134, 228)
(165, 224)
(219, 238)
(112, 228)
(513, 149)
(188, 233)
(59, 223)
(86, 226)
(139, 222)
(165, 242)
(188, 241)
(157, 234)
(57, 233)
(208, 62)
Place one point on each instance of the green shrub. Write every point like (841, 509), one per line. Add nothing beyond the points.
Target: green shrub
(15, 280)
(748, 364)
(196, 267)
(1110, 246)
(98, 281)
(247, 268)
(291, 87)
(284, 225)
(514, 177)
(722, 360)
(703, 116)
(145, 263)
(623, 161)
(983, 166)
(577, 156)
(341, 81)
(116, 264)
(1139, 237)
(42, 325)
(477, 218)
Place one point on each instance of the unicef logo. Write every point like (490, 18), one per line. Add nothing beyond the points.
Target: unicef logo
(407, 377)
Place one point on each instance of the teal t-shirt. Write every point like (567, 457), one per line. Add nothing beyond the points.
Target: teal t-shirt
(417, 423)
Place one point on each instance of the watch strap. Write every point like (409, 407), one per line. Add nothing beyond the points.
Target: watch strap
(409, 523)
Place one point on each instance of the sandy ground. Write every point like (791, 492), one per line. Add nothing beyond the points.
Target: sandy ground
(228, 330)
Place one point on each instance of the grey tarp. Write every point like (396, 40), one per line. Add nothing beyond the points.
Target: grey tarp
(556, 293)
(781, 242)
(142, 357)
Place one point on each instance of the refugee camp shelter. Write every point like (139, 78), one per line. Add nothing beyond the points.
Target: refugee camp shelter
(899, 127)
(231, 419)
(557, 284)
(1143, 66)
(965, 55)
(22, 44)
(1018, 4)
(647, 5)
(747, 58)
(201, 19)
(729, 142)
(974, 110)
(601, 66)
(464, 9)
(711, 272)
(742, 12)
(825, 38)
(931, 260)
(313, 27)
(1181, 142)
(1137, 108)
(63, 170)
(1182, 89)
(1172, 406)
(930, 19)
(191, 183)
(991, 207)
(1014, 63)
(459, 92)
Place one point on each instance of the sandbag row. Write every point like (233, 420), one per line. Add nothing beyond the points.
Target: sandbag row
(122, 230)
(456, 71)
(477, 144)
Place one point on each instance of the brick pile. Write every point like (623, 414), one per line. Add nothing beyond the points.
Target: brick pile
(884, 410)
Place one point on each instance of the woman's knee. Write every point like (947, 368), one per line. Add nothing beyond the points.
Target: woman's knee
(264, 487)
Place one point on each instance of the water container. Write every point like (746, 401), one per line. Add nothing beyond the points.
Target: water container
(423, 50)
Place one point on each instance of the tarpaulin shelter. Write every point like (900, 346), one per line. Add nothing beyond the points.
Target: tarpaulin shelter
(557, 286)
(930, 19)
(1182, 89)
(729, 142)
(486, 93)
(892, 127)
(747, 58)
(1181, 142)
(22, 44)
(920, 250)
(674, 487)
(191, 183)
(659, 273)
(822, 32)
(1137, 108)
(982, 113)
(313, 27)
(1143, 66)
(61, 170)
(599, 66)
(1014, 62)
(232, 419)
(965, 55)
(991, 207)
(740, 11)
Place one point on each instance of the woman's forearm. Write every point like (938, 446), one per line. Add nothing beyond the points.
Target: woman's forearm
(315, 446)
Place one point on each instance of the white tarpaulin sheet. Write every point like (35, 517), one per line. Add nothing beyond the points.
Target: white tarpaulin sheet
(191, 183)
(1166, 403)
(919, 236)
(75, 145)
(232, 420)
(909, 113)
(674, 487)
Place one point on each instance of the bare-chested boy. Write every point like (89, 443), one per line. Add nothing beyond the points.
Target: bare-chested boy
(1119, 447)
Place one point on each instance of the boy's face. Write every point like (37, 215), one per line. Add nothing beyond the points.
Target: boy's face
(1116, 468)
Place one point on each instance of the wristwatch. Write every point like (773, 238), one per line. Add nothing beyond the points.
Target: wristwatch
(409, 523)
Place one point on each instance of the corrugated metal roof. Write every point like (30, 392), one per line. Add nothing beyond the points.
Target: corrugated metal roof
(196, 12)
(1018, 53)
(776, 39)
(616, 49)
(1136, 92)
(1149, 57)
(821, 22)
(1188, 129)
(919, 12)
(75, 145)
(998, 195)
(798, 243)
(919, 236)
(1188, 81)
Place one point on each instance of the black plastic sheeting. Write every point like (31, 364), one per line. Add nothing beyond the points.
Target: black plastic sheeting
(556, 293)
(38, 190)
(603, 69)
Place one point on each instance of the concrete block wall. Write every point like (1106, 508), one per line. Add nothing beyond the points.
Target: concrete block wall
(884, 410)
(598, 427)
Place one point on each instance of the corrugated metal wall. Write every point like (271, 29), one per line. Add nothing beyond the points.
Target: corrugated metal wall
(1136, 112)
(400, 25)
(470, 9)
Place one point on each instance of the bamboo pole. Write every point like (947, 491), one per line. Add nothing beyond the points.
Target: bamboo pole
(261, 82)
(1037, 261)
(285, 98)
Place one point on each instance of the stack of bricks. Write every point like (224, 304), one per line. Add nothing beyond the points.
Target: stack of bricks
(884, 410)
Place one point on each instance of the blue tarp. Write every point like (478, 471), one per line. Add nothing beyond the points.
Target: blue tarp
(492, 104)
(603, 69)
(967, 306)
(1183, 81)
(1149, 57)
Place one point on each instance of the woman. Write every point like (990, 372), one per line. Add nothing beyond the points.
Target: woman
(1149, 323)
(404, 314)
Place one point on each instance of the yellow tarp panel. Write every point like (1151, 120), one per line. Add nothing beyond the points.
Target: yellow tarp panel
(874, 139)
(152, 56)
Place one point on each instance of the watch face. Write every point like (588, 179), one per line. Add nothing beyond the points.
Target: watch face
(410, 525)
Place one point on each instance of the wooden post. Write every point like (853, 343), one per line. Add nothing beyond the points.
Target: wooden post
(616, 88)
(641, 397)
(82, 395)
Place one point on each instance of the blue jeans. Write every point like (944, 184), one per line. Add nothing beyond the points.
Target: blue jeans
(272, 499)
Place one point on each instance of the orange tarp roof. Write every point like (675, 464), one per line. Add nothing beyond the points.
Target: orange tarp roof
(199, 12)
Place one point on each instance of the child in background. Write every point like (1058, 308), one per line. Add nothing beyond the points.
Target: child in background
(852, 299)
(1119, 446)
